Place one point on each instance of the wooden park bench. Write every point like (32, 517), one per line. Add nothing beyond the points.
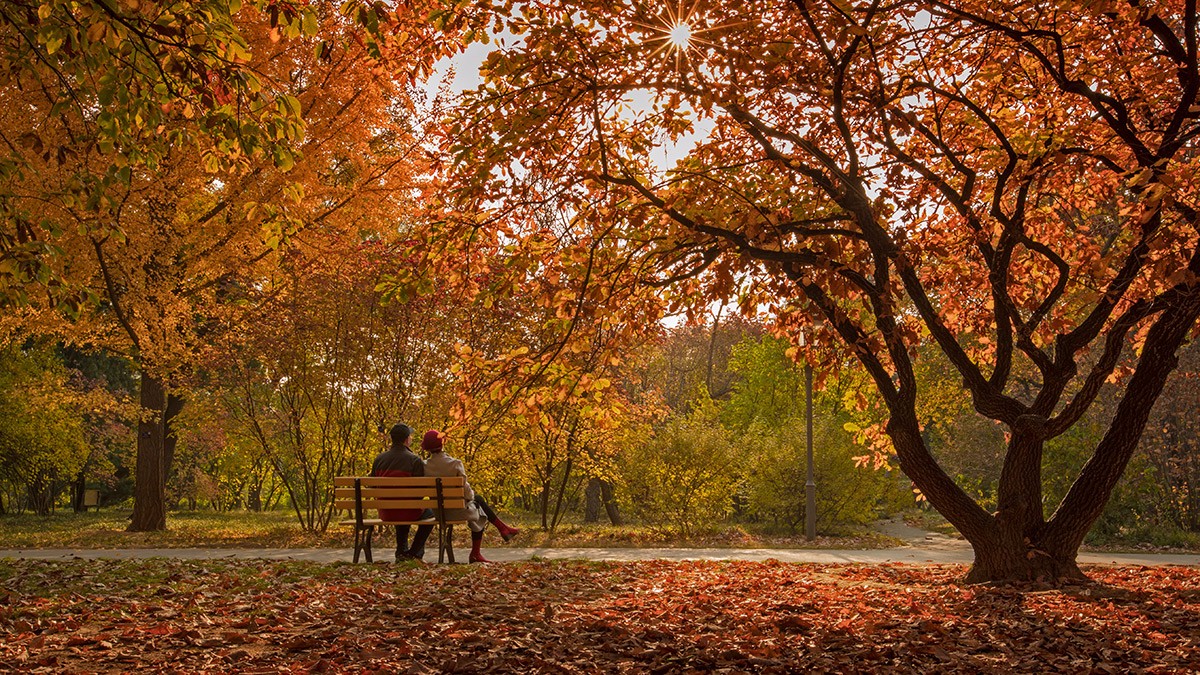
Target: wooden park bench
(361, 494)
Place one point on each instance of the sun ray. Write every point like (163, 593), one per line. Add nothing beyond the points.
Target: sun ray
(680, 30)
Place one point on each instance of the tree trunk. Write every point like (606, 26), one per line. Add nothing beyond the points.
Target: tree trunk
(150, 479)
(610, 504)
(1022, 546)
(591, 501)
(41, 494)
(77, 491)
(1011, 545)
(173, 408)
(562, 492)
(998, 561)
(254, 497)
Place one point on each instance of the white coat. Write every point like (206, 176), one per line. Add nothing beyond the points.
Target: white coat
(443, 465)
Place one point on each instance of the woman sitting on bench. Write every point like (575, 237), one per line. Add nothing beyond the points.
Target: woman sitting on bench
(478, 513)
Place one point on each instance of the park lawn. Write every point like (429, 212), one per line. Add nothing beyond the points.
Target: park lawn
(654, 616)
(280, 529)
(185, 529)
(576, 535)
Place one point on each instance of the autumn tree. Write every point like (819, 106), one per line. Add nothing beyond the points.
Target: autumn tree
(1012, 184)
(324, 361)
(535, 343)
(192, 141)
(100, 101)
(694, 356)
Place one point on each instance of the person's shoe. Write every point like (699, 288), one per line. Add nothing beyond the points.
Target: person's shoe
(418, 555)
(478, 558)
(407, 556)
(506, 532)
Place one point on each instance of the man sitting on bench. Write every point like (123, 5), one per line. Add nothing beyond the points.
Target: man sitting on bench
(400, 460)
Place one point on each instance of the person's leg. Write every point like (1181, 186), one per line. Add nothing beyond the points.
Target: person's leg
(485, 507)
(476, 554)
(506, 532)
(401, 542)
(417, 552)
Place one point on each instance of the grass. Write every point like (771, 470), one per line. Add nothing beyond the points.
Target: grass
(278, 529)
(185, 529)
(574, 535)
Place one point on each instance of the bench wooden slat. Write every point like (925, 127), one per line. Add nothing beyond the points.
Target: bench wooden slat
(368, 503)
(396, 481)
(400, 492)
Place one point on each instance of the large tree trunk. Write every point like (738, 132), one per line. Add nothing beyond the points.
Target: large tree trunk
(150, 479)
(1020, 544)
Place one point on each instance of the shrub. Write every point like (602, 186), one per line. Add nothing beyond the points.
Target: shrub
(684, 477)
(774, 490)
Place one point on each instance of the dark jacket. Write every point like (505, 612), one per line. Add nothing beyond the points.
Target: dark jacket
(398, 462)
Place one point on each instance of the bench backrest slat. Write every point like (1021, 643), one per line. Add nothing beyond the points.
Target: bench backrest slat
(362, 493)
(399, 493)
(368, 503)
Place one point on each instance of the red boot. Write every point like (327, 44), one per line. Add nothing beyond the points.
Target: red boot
(505, 531)
(476, 554)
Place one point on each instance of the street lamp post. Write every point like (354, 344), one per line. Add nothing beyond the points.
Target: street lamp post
(810, 483)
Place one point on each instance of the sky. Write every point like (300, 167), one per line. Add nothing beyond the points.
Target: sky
(453, 76)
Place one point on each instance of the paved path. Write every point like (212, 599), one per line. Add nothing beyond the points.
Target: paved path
(937, 552)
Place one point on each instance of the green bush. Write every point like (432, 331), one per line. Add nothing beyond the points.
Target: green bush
(684, 478)
(1131, 509)
(42, 441)
(848, 496)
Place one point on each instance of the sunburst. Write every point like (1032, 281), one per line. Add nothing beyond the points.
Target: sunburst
(680, 36)
(680, 29)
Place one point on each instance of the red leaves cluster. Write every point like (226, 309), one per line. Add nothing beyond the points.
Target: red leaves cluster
(586, 617)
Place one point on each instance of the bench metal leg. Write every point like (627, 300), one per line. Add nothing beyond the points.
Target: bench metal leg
(448, 546)
(362, 541)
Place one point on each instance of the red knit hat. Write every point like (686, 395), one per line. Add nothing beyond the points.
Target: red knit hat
(432, 440)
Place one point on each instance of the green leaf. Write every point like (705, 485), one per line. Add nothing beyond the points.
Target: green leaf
(283, 159)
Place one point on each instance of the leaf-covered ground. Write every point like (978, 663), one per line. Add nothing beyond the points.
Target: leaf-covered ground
(258, 617)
